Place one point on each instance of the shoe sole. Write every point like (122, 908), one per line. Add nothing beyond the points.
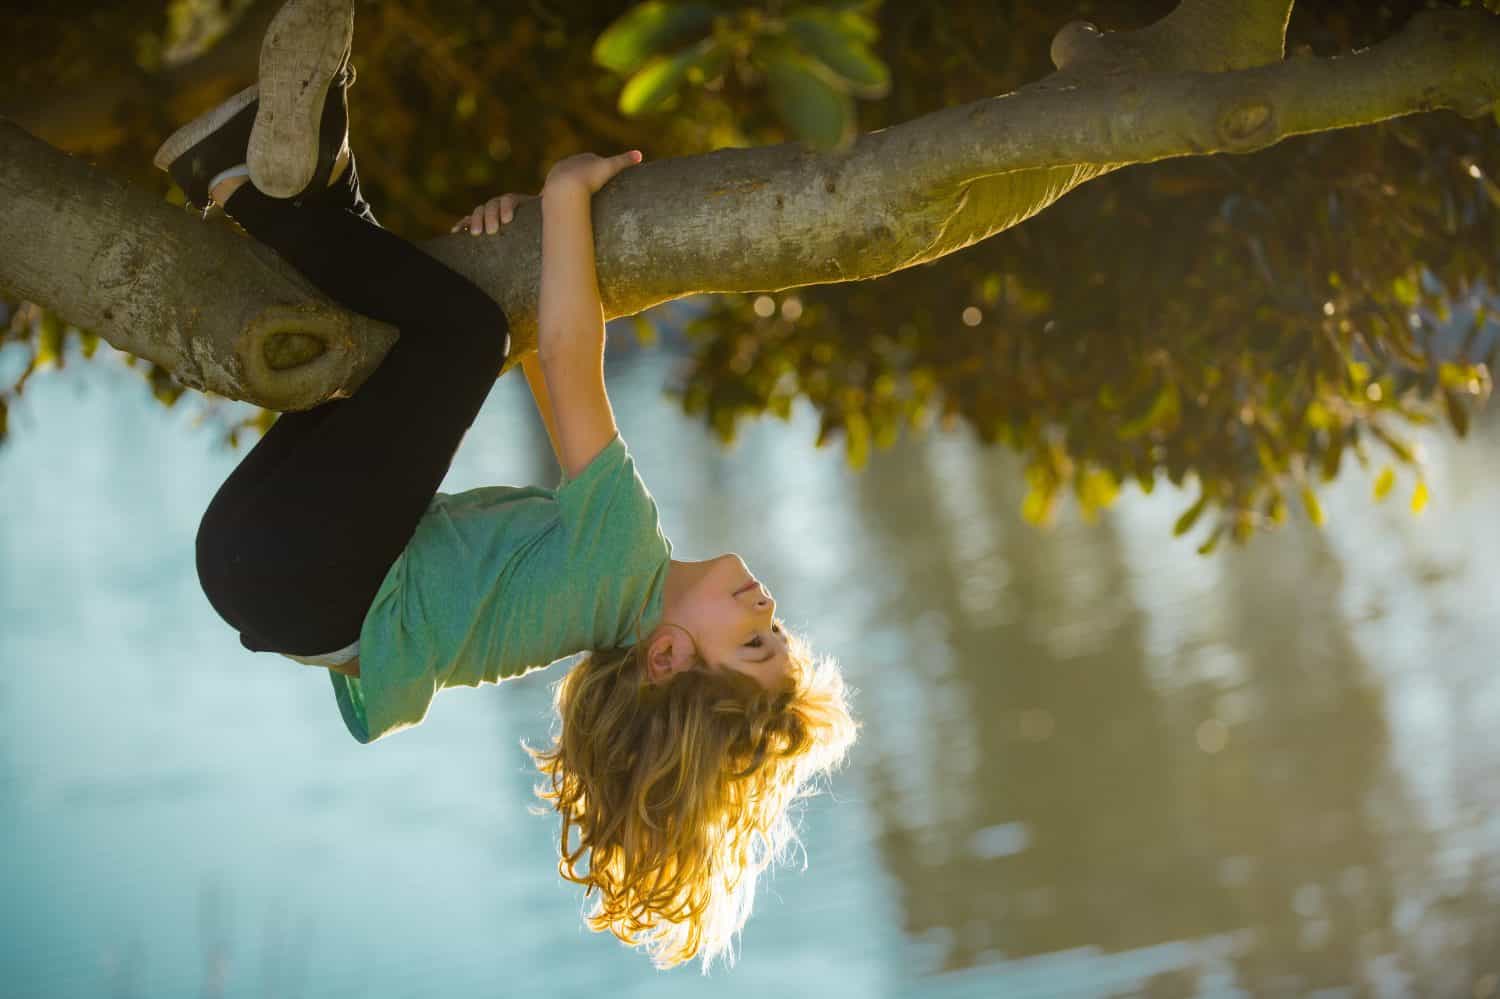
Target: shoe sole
(303, 48)
(200, 128)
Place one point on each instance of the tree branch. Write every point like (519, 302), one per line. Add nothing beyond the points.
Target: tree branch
(221, 312)
(776, 217)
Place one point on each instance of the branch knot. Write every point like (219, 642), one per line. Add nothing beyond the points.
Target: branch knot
(1247, 124)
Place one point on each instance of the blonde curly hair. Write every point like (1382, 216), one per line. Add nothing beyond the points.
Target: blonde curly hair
(679, 792)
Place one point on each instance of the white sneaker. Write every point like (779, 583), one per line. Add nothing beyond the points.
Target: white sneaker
(303, 121)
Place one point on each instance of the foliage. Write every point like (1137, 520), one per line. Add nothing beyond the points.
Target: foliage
(1243, 323)
(814, 60)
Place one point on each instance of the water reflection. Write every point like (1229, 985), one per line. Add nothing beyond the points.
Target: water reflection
(1092, 762)
(1049, 823)
(1121, 745)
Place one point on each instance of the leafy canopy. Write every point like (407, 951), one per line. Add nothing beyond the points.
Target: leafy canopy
(1249, 323)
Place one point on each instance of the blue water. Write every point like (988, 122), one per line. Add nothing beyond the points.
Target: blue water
(1092, 762)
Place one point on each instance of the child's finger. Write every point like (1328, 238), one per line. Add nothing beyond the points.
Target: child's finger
(492, 216)
(476, 221)
(619, 164)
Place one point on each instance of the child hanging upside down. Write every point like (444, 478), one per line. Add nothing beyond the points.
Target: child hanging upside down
(695, 718)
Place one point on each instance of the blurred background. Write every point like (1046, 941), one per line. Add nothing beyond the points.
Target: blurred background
(1154, 534)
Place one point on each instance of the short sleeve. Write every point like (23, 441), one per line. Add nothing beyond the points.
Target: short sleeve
(607, 511)
(611, 455)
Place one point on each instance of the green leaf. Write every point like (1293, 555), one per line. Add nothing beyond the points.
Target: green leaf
(1314, 508)
(1038, 506)
(822, 35)
(1453, 376)
(860, 27)
(1317, 416)
(1207, 548)
(1163, 414)
(660, 80)
(1405, 290)
(163, 386)
(828, 425)
(1244, 527)
(1334, 455)
(647, 30)
(710, 64)
(1267, 456)
(723, 424)
(1190, 516)
(817, 112)
(1457, 414)
(1097, 489)
(1276, 509)
(1383, 483)
(856, 18)
(857, 439)
(1399, 448)
(49, 341)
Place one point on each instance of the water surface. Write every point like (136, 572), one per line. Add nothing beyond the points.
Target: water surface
(1092, 763)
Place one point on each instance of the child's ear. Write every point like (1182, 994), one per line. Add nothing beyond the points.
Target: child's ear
(669, 653)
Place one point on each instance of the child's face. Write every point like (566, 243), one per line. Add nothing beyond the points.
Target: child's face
(732, 618)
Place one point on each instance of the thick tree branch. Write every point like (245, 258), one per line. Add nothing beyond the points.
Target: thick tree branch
(999, 150)
(219, 311)
(776, 217)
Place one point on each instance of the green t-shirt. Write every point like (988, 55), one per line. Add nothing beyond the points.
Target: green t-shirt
(500, 580)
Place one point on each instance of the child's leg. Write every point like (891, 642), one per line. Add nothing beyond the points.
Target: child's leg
(296, 542)
(286, 434)
(344, 192)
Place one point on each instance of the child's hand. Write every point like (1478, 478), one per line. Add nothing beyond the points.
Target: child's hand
(491, 215)
(588, 171)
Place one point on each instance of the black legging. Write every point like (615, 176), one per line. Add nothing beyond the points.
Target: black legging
(295, 543)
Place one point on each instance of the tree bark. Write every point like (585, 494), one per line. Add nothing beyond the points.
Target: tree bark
(220, 311)
(1208, 78)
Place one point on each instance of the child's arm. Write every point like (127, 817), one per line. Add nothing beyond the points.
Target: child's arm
(570, 318)
(490, 217)
(570, 330)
